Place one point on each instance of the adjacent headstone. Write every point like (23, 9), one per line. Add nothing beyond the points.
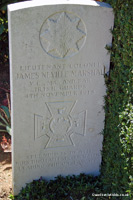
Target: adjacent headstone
(58, 61)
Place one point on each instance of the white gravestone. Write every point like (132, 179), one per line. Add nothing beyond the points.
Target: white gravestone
(58, 61)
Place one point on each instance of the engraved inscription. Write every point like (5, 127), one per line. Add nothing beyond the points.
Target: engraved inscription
(56, 159)
(61, 125)
(59, 80)
(62, 34)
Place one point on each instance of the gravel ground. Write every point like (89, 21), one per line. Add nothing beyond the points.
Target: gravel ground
(5, 175)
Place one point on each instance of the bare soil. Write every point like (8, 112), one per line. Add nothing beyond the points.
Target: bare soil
(5, 175)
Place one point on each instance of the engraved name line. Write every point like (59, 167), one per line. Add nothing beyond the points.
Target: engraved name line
(60, 74)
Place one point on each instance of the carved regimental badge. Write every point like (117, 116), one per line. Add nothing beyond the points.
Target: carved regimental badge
(62, 35)
(61, 126)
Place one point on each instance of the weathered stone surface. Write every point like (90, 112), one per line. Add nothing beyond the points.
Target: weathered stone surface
(58, 60)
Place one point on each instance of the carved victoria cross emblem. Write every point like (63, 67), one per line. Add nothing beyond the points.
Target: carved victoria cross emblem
(62, 35)
(60, 127)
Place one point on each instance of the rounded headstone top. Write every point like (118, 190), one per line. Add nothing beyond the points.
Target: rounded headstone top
(34, 3)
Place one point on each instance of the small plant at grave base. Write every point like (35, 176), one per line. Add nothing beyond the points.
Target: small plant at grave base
(11, 197)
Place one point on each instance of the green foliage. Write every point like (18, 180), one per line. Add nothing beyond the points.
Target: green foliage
(4, 50)
(82, 187)
(69, 188)
(5, 120)
(3, 36)
(117, 147)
